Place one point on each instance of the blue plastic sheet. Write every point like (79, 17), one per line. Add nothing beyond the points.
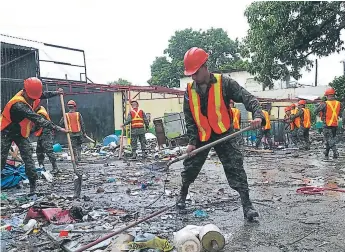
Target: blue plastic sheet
(11, 176)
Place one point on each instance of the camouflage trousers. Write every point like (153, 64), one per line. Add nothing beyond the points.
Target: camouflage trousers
(294, 136)
(138, 133)
(330, 134)
(76, 145)
(25, 149)
(230, 157)
(45, 146)
(261, 134)
(303, 135)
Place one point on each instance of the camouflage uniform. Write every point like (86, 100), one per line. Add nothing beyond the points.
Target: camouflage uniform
(20, 111)
(302, 133)
(138, 133)
(267, 134)
(76, 137)
(330, 132)
(291, 134)
(228, 152)
(45, 146)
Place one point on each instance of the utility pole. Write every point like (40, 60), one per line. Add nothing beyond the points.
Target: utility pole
(315, 72)
(343, 61)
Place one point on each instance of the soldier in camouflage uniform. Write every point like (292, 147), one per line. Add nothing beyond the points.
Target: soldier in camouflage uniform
(330, 111)
(16, 124)
(265, 131)
(138, 120)
(294, 132)
(290, 127)
(76, 127)
(200, 105)
(303, 114)
(45, 141)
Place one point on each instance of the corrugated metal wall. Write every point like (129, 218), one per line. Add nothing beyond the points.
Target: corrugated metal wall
(97, 111)
(17, 64)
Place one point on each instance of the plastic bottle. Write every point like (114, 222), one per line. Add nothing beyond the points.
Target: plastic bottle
(30, 225)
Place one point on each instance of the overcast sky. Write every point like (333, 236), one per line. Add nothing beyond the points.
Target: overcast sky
(122, 38)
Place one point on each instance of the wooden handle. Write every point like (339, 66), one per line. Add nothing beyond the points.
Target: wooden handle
(90, 138)
(68, 135)
(207, 146)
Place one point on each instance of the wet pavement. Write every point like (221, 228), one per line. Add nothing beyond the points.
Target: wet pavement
(288, 221)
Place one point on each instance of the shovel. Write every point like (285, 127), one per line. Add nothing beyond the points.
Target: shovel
(78, 176)
(198, 150)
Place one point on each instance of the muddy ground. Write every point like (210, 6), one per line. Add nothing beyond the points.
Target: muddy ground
(288, 221)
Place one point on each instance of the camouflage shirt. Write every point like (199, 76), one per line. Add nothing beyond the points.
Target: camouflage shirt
(231, 91)
(19, 111)
(322, 108)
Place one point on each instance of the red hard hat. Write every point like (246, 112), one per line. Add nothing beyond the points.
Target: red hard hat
(33, 88)
(71, 103)
(194, 58)
(135, 102)
(302, 102)
(231, 101)
(330, 91)
(293, 105)
(287, 109)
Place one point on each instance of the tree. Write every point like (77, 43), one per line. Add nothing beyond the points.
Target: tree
(339, 85)
(120, 81)
(224, 55)
(284, 34)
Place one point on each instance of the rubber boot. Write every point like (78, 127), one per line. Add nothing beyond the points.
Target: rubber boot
(326, 153)
(134, 155)
(79, 154)
(335, 154)
(248, 210)
(55, 168)
(32, 186)
(181, 202)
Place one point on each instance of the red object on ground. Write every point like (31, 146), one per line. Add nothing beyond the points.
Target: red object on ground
(33, 213)
(63, 233)
(58, 215)
(317, 190)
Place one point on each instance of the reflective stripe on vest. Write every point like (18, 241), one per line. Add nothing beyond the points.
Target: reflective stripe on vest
(268, 121)
(5, 119)
(236, 117)
(297, 120)
(306, 118)
(137, 118)
(42, 111)
(332, 113)
(73, 121)
(218, 118)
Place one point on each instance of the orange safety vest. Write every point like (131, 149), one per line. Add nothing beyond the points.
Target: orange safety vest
(73, 121)
(137, 118)
(25, 124)
(268, 121)
(332, 113)
(306, 118)
(236, 117)
(42, 111)
(218, 118)
(297, 120)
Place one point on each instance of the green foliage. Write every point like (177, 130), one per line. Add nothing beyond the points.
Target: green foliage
(339, 85)
(120, 81)
(283, 34)
(224, 55)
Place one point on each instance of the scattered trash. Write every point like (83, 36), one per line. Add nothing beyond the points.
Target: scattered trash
(200, 213)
